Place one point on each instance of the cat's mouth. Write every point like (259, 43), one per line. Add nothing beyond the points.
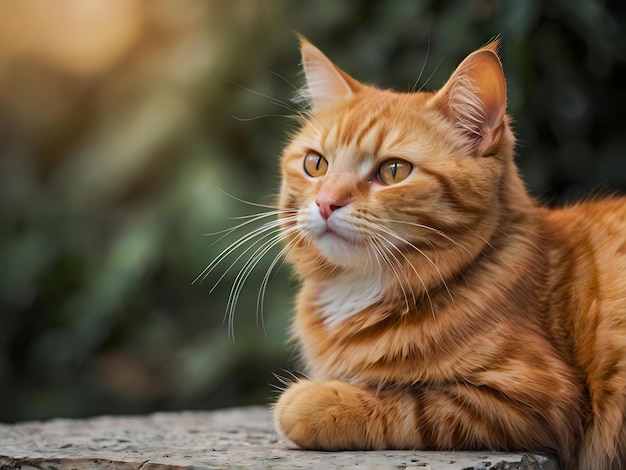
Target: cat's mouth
(341, 246)
(335, 235)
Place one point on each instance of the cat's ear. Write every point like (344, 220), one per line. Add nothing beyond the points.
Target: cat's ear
(325, 82)
(475, 97)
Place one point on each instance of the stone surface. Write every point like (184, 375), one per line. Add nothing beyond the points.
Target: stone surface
(236, 438)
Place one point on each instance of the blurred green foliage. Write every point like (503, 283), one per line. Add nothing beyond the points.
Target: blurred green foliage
(125, 126)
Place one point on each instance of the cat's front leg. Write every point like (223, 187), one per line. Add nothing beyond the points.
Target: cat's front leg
(335, 415)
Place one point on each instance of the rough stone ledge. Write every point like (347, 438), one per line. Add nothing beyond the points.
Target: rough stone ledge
(235, 438)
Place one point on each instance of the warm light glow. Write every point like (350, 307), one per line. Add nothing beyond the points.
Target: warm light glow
(79, 36)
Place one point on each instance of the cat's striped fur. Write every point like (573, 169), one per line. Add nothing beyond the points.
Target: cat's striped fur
(445, 309)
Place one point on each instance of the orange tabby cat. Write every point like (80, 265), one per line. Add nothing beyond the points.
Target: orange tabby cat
(440, 307)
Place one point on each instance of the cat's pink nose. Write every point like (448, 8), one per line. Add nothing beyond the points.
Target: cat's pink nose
(327, 205)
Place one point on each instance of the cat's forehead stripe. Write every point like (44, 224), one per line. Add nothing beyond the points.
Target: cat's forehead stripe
(361, 129)
(360, 126)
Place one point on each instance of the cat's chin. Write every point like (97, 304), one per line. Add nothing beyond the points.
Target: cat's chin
(342, 251)
(331, 234)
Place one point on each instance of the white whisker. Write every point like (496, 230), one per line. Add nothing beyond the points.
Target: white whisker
(391, 233)
(263, 116)
(250, 203)
(286, 80)
(436, 231)
(244, 274)
(261, 296)
(271, 99)
(241, 255)
(424, 286)
(252, 218)
(272, 225)
(379, 246)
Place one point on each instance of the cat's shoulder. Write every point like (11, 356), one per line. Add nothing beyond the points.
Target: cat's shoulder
(596, 225)
(594, 210)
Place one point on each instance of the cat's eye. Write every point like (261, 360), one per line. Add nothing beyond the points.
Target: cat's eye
(315, 165)
(393, 171)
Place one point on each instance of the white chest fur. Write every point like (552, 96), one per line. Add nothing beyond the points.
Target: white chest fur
(342, 297)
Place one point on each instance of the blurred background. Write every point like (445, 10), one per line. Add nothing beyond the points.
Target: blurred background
(130, 129)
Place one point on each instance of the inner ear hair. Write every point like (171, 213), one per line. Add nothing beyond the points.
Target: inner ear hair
(475, 99)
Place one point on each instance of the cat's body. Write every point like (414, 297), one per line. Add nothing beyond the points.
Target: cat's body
(440, 307)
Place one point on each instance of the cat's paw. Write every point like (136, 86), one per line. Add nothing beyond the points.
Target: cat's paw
(328, 416)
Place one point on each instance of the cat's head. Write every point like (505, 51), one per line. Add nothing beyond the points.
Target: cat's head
(376, 179)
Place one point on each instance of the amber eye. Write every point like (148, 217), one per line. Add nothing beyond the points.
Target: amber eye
(394, 171)
(315, 165)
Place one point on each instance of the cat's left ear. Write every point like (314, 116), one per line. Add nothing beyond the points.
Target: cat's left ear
(325, 82)
(475, 98)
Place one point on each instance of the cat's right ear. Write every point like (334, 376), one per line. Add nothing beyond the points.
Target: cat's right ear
(325, 82)
(475, 97)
